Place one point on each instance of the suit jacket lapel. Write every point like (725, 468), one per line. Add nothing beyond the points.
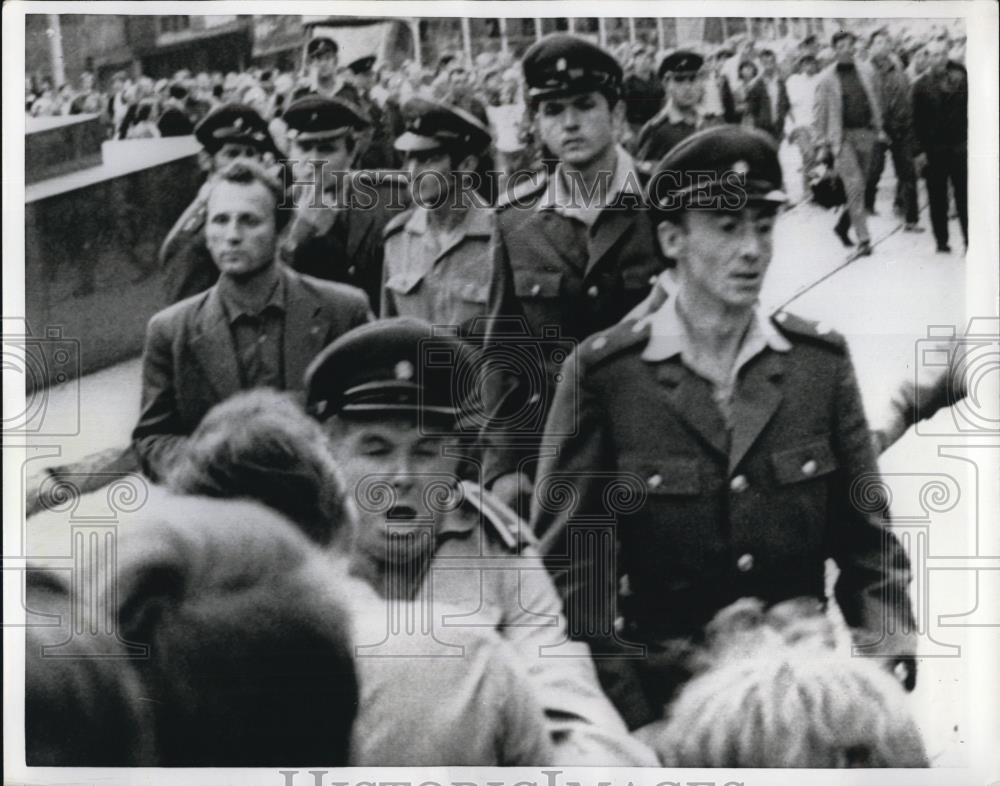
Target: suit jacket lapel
(359, 225)
(612, 224)
(690, 397)
(214, 348)
(756, 400)
(304, 330)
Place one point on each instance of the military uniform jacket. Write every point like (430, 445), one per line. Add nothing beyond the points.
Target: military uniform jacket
(448, 285)
(696, 516)
(486, 572)
(351, 250)
(555, 282)
(187, 265)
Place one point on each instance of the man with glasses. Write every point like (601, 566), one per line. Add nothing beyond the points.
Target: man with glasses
(680, 73)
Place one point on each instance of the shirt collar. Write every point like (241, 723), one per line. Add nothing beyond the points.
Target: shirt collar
(235, 308)
(559, 196)
(476, 221)
(668, 335)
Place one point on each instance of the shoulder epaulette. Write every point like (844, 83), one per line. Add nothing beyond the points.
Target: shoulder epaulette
(499, 519)
(798, 327)
(397, 222)
(602, 346)
(524, 191)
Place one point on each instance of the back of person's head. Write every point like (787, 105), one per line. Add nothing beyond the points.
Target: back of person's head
(81, 705)
(260, 445)
(775, 691)
(250, 656)
(789, 708)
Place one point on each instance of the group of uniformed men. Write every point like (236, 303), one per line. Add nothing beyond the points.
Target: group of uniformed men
(590, 350)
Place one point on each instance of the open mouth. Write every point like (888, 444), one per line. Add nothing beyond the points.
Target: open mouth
(401, 513)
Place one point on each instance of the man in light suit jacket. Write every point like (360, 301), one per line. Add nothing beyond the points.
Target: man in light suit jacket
(259, 326)
(847, 120)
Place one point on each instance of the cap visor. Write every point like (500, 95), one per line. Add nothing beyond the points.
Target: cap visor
(411, 143)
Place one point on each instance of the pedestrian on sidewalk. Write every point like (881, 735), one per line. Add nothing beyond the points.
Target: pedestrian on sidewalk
(897, 115)
(941, 124)
(848, 123)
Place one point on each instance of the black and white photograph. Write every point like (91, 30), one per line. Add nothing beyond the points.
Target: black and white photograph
(470, 386)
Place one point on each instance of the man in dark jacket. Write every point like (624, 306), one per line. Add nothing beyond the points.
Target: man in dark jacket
(260, 325)
(767, 98)
(897, 121)
(707, 452)
(941, 124)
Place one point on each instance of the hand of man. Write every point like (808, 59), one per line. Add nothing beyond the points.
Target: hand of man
(920, 163)
(514, 489)
(905, 670)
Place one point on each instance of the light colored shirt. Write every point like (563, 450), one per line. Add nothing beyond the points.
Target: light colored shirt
(567, 198)
(442, 278)
(801, 89)
(669, 336)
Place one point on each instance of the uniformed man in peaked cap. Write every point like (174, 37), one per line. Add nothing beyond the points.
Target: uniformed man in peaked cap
(573, 250)
(727, 450)
(340, 214)
(230, 132)
(358, 77)
(437, 252)
(389, 395)
(680, 73)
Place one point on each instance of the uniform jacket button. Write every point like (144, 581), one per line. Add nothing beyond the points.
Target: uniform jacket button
(593, 291)
(536, 289)
(809, 468)
(655, 481)
(745, 563)
(739, 484)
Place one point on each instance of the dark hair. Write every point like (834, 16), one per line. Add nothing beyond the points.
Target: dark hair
(250, 653)
(178, 91)
(247, 172)
(260, 445)
(876, 33)
(81, 702)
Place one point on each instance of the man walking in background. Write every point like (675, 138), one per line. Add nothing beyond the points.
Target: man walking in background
(848, 122)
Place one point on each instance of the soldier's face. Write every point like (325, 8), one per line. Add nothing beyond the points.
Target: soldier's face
(240, 229)
(686, 89)
(232, 151)
(722, 257)
(333, 156)
(578, 129)
(396, 473)
(431, 176)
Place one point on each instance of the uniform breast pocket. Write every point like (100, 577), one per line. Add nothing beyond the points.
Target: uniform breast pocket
(403, 283)
(473, 293)
(537, 284)
(808, 461)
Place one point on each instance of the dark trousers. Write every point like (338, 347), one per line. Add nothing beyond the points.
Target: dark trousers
(944, 166)
(906, 176)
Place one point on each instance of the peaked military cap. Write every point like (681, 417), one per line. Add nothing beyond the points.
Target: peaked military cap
(561, 64)
(395, 365)
(683, 61)
(432, 124)
(362, 65)
(317, 117)
(725, 161)
(321, 45)
(233, 123)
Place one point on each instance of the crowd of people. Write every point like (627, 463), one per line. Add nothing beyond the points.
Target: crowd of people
(571, 446)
